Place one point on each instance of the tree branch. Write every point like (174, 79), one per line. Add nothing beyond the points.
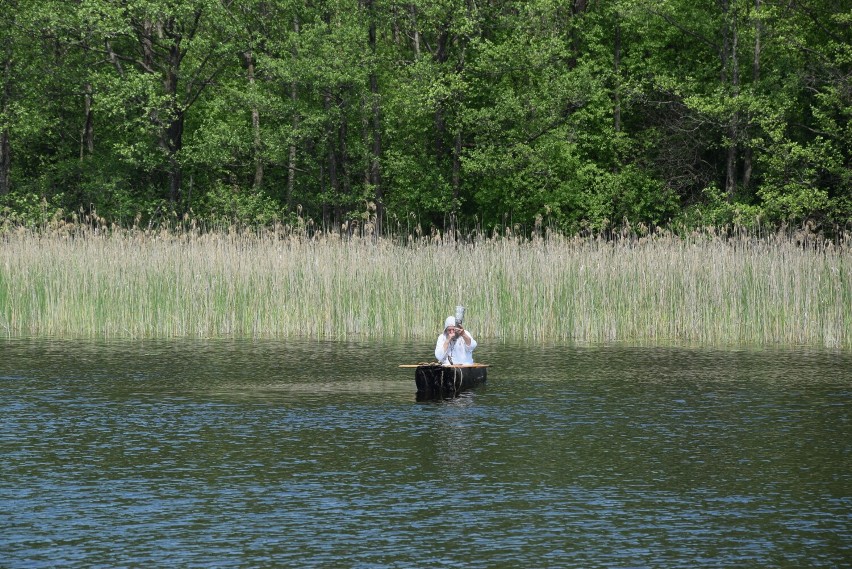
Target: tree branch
(684, 29)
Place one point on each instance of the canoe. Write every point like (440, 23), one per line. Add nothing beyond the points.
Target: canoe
(448, 380)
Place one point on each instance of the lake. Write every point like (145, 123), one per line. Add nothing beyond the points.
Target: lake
(317, 454)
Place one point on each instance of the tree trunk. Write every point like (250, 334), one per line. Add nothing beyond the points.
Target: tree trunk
(174, 144)
(456, 178)
(87, 137)
(395, 34)
(333, 182)
(326, 215)
(5, 163)
(5, 145)
(440, 125)
(171, 126)
(375, 165)
(113, 57)
(731, 161)
(616, 113)
(255, 123)
(291, 155)
(730, 75)
(755, 77)
(343, 150)
(172, 139)
(578, 7)
(416, 38)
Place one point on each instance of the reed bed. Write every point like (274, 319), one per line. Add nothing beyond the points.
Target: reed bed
(703, 288)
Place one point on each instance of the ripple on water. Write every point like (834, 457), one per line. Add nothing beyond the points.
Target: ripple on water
(247, 454)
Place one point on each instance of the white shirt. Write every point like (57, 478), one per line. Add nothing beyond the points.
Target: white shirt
(459, 351)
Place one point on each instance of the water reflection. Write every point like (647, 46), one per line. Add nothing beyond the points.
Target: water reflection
(258, 453)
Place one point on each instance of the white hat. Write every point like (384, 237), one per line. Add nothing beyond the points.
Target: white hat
(450, 321)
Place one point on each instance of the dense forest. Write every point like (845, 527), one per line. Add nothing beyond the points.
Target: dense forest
(579, 114)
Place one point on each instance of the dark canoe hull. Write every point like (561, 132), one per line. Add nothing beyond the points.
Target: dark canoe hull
(440, 380)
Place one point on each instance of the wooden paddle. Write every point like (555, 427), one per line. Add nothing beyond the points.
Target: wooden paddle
(442, 365)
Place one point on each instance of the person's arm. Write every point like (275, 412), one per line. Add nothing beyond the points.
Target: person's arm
(469, 342)
(441, 347)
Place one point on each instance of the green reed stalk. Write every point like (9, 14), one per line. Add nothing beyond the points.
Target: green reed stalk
(706, 289)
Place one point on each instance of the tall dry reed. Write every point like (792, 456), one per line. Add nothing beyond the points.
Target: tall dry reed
(705, 288)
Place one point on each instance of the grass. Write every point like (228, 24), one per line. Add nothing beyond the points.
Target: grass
(706, 288)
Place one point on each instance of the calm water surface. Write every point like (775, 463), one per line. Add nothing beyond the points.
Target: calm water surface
(316, 454)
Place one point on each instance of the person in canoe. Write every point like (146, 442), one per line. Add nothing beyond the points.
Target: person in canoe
(455, 345)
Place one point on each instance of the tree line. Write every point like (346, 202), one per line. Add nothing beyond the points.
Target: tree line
(576, 113)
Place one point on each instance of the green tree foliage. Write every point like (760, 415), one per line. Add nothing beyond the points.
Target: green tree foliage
(41, 97)
(442, 113)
